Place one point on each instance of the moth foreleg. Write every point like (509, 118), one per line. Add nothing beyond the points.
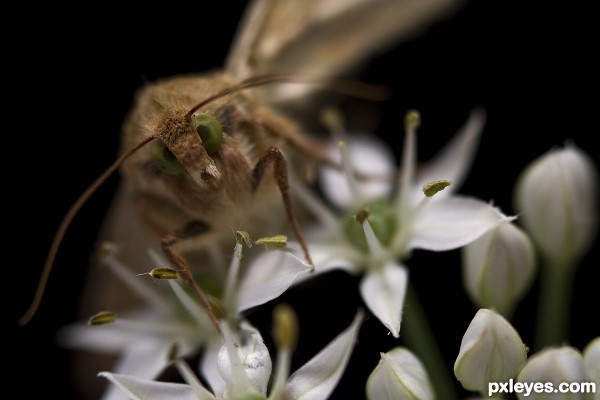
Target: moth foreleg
(275, 156)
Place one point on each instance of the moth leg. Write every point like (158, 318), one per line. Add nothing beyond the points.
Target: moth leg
(189, 230)
(275, 156)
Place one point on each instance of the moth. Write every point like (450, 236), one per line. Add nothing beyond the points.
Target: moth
(207, 170)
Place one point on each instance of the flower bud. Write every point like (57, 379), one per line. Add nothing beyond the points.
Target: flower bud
(553, 366)
(591, 364)
(491, 351)
(556, 196)
(399, 375)
(252, 355)
(498, 268)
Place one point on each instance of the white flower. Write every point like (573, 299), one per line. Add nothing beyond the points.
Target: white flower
(144, 338)
(246, 379)
(498, 268)
(388, 229)
(557, 197)
(399, 376)
(491, 350)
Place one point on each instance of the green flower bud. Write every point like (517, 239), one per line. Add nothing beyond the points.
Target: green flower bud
(491, 351)
(556, 196)
(553, 366)
(498, 268)
(399, 376)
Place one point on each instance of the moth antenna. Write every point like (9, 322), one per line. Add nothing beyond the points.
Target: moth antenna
(64, 225)
(346, 87)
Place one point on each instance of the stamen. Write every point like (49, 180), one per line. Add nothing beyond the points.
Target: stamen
(103, 318)
(197, 312)
(332, 118)
(412, 120)
(431, 188)
(238, 374)
(232, 277)
(285, 335)
(376, 250)
(162, 273)
(243, 238)
(285, 331)
(142, 289)
(191, 379)
(327, 218)
(349, 173)
(277, 241)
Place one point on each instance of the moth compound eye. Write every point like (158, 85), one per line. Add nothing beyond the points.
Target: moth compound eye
(165, 160)
(210, 132)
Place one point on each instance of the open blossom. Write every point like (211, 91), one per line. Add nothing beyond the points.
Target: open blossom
(383, 223)
(245, 366)
(143, 338)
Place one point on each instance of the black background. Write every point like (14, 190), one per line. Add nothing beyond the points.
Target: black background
(70, 84)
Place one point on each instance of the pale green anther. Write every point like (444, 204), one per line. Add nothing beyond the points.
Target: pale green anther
(431, 188)
(412, 119)
(243, 238)
(332, 118)
(164, 273)
(381, 215)
(278, 241)
(103, 318)
(285, 323)
(104, 250)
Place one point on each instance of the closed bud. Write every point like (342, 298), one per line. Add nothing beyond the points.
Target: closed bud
(556, 196)
(591, 364)
(556, 366)
(491, 351)
(399, 376)
(498, 268)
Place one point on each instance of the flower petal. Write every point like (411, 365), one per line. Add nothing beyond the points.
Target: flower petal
(317, 378)
(268, 277)
(454, 160)
(452, 222)
(369, 157)
(383, 291)
(151, 390)
(147, 357)
(208, 368)
(144, 359)
(332, 256)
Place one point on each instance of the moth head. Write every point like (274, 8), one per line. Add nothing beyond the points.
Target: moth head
(187, 144)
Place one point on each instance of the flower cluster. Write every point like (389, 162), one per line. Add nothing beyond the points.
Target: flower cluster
(370, 215)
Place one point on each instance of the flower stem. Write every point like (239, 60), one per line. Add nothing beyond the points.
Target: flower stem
(417, 333)
(556, 283)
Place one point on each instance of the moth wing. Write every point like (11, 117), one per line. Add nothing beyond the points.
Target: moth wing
(324, 37)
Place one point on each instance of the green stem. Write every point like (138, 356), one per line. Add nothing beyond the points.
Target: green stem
(417, 333)
(552, 325)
